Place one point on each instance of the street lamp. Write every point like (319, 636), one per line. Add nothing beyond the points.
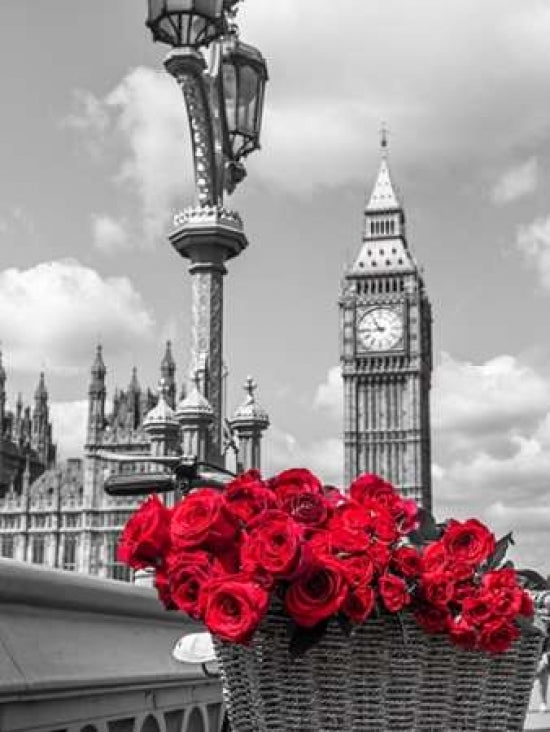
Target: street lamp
(223, 83)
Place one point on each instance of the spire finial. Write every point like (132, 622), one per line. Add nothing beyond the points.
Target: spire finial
(250, 387)
(384, 138)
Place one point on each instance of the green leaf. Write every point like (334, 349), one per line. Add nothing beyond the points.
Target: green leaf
(305, 638)
(532, 580)
(497, 557)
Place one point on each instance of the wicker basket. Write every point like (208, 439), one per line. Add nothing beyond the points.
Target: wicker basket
(387, 676)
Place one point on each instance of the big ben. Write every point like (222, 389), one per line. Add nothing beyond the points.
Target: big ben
(386, 350)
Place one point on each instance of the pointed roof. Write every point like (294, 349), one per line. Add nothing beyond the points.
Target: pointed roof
(168, 359)
(98, 368)
(384, 196)
(250, 410)
(134, 383)
(41, 392)
(162, 414)
(195, 405)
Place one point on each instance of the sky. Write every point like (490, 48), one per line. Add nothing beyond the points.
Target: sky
(95, 160)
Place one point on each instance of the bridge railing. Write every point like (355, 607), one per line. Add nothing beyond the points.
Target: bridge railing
(82, 654)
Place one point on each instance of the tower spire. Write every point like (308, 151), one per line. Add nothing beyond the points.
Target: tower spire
(384, 139)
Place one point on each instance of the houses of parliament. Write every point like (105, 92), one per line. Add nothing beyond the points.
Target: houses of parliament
(58, 514)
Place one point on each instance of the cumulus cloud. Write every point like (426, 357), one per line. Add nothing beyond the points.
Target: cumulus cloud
(51, 313)
(146, 114)
(69, 427)
(329, 394)
(491, 433)
(324, 457)
(109, 235)
(441, 80)
(516, 182)
(533, 241)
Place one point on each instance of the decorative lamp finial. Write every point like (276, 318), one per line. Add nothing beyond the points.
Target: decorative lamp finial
(250, 387)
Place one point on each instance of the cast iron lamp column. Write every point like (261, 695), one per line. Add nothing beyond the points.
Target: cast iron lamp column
(223, 83)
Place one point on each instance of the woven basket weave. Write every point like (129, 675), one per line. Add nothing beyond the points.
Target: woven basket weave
(387, 676)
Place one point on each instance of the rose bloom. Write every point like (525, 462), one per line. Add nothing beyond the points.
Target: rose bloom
(359, 570)
(406, 560)
(350, 527)
(380, 555)
(293, 482)
(498, 579)
(434, 558)
(470, 542)
(317, 594)
(274, 543)
(162, 586)
(233, 607)
(246, 497)
(462, 634)
(393, 591)
(146, 536)
(479, 608)
(310, 509)
(202, 520)
(497, 636)
(405, 514)
(438, 588)
(370, 486)
(186, 573)
(432, 619)
(359, 603)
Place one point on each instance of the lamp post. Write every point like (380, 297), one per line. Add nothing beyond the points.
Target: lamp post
(223, 83)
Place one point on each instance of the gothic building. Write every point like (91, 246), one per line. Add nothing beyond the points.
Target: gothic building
(25, 437)
(386, 350)
(60, 515)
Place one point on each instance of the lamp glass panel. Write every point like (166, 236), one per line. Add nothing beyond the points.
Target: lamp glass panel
(248, 96)
(156, 7)
(179, 6)
(230, 94)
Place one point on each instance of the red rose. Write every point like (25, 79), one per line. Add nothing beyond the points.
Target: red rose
(146, 536)
(380, 555)
(247, 496)
(478, 609)
(527, 608)
(202, 520)
(406, 560)
(432, 619)
(463, 590)
(438, 588)
(393, 591)
(350, 527)
(359, 570)
(317, 594)
(359, 603)
(460, 571)
(369, 486)
(462, 634)
(333, 495)
(405, 514)
(469, 542)
(274, 543)
(498, 579)
(232, 608)
(187, 572)
(321, 543)
(497, 636)
(162, 586)
(434, 558)
(310, 509)
(293, 482)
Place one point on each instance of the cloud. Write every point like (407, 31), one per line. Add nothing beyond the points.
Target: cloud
(69, 427)
(51, 313)
(516, 182)
(145, 114)
(324, 457)
(533, 241)
(491, 445)
(329, 396)
(109, 235)
(442, 81)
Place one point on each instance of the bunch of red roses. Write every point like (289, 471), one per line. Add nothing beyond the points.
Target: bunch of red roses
(222, 557)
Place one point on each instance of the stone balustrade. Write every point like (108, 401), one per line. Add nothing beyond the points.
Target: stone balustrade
(82, 654)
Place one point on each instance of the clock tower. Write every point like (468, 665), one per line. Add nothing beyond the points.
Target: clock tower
(386, 351)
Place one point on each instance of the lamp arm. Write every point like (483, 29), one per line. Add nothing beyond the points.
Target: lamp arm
(201, 94)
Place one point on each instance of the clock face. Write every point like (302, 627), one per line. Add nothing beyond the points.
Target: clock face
(380, 329)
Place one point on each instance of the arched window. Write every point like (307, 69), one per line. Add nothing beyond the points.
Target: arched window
(150, 725)
(195, 723)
